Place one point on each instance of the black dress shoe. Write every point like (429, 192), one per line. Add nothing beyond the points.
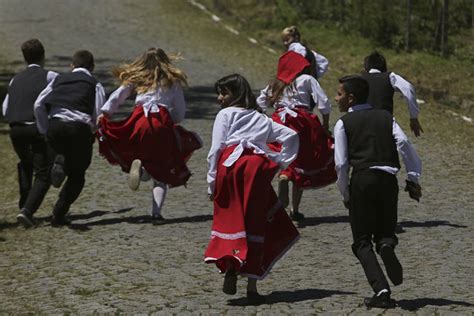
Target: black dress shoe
(230, 283)
(60, 221)
(253, 298)
(297, 216)
(392, 265)
(381, 301)
(26, 218)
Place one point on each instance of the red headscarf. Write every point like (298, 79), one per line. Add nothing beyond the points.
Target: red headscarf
(290, 65)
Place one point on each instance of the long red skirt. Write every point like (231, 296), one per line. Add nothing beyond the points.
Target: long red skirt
(314, 166)
(242, 237)
(162, 146)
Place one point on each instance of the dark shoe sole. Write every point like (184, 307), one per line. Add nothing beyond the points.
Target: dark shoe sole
(392, 265)
(24, 220)
(230, 284)
(370, 303)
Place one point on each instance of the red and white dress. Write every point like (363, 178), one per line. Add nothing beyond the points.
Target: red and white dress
(150, 134)
(314, 166)
(241, 168)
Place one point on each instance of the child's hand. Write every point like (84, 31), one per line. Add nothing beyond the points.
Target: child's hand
(100, 117)
(416, 127)
(413, 189)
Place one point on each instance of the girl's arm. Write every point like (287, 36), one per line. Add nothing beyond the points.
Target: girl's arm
(322, 64)
(219, 136)
(262, 99)
(289, 141)
(321, 100)
(178, 110)
(116, 99)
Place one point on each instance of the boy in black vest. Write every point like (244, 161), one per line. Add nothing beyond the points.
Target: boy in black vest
(384, 83)
(29, 144)
(66, 111)
(367, 140)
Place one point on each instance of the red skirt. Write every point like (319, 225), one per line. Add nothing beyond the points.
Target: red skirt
(314, 166)
(242, 237)
(162, 146)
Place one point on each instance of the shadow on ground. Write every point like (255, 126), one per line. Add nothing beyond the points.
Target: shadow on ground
(315, 221)
(291, 296)
(142, 219)
(415, 304)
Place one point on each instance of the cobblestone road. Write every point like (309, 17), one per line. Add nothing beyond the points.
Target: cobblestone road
(113, 260)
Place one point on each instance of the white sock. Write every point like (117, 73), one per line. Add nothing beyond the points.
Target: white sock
(381, 292)
(159, 194)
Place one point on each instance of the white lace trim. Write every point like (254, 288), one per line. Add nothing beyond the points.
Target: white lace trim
(241, 234)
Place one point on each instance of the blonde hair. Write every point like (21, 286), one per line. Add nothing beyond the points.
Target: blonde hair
(151, 70)
(292, 31)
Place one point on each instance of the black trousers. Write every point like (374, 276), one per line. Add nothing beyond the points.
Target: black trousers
(74, 141)
(30, 146)
(373, 216)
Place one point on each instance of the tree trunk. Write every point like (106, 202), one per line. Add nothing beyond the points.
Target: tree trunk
(408, 33)
(444, 30)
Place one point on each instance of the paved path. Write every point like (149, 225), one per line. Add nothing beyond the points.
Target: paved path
(113, 260)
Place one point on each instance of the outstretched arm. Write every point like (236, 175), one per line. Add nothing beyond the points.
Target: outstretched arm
(411, 160)
(116, 99)
(408, 91)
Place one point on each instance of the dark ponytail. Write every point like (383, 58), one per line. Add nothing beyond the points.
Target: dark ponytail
(238, 86)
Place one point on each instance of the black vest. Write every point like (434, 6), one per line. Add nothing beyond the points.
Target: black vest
(370, 141)
(380, 90)
(74, 91)
(22, 94)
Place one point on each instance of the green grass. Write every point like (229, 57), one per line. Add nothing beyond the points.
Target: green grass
(432, 75)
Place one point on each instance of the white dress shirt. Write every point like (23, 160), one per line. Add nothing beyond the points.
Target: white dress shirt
(406, 89)
(249, 129)
(171, 98)
(322, 62)
(298, 93)
(49, 77)
(405, 148)
(67, 115)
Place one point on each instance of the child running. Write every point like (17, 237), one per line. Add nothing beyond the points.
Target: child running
(149, 142)
(291, 94)
(250, 229)
(291, 39)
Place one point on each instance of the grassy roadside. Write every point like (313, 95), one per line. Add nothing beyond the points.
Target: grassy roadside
(443, 81)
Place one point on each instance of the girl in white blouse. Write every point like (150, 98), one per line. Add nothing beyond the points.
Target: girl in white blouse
(149, 142)
(250, 229)
(291, 93)
(291, 39)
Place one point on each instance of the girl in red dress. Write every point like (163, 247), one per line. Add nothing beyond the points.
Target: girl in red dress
(250, 229)
(149, 142)
(291, 94)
